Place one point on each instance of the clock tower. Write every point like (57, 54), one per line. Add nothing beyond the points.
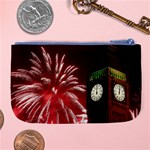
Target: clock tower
(108, 96)
(112, 82)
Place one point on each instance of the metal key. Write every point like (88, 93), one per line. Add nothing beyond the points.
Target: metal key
(87, 6)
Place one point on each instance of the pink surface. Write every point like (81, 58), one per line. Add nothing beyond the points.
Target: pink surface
(68, 26)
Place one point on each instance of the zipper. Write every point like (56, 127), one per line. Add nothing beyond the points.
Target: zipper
(113, 42)
(124, 42)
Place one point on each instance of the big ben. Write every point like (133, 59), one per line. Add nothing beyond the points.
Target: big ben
(109, 88)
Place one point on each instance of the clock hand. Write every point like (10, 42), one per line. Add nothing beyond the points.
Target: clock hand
(119, 90)
(96, 90)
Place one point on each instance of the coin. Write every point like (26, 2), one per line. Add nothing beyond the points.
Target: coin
(29, 139)
(1, 119)
(35, 16)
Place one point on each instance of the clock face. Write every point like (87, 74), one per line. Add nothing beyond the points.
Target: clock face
(96, 92)
(119, 92)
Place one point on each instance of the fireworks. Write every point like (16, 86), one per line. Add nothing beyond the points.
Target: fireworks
(49, 92)
(134, 113)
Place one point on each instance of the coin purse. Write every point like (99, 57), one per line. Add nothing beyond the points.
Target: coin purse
(62, 82)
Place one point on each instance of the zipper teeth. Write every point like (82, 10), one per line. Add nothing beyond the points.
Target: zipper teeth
(117, 42)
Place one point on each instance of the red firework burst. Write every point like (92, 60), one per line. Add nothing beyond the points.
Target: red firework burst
(49, 92)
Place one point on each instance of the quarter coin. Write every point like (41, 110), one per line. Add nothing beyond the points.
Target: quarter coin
(35, 16)
(1, 119)
(29, 140)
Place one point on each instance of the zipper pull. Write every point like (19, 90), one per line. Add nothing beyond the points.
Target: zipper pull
(124, 42)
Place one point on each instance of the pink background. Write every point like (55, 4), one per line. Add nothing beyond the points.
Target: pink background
(68, 26)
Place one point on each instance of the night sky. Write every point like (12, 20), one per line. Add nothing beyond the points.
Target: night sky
(88, 58)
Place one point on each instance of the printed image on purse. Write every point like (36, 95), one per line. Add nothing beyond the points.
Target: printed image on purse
(57, 83)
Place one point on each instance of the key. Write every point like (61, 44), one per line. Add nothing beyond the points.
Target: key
(87, 6)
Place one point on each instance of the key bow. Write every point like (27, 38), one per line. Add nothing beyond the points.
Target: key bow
(83, 6)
